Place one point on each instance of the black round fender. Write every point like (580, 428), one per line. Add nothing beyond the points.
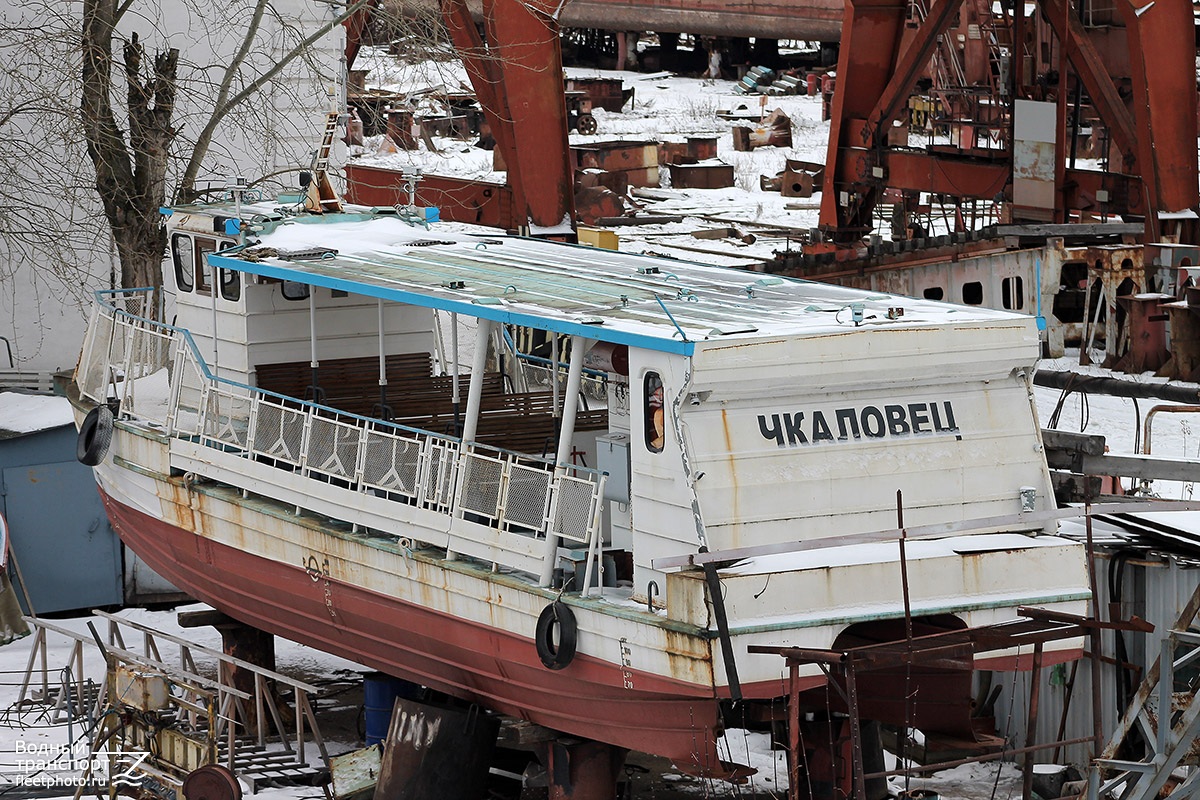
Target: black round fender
(95, 435)
(556, 656)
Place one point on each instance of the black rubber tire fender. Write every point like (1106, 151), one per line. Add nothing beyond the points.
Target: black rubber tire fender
(560, 655)
(95, 436)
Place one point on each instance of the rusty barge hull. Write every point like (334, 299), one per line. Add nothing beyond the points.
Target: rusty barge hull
(481, 663)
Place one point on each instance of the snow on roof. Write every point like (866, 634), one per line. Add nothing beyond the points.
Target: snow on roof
(656, 303)
(29, 413)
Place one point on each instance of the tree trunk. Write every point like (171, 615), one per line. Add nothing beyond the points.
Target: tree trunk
(130, 178)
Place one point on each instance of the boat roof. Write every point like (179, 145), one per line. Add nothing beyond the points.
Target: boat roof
(642, 301)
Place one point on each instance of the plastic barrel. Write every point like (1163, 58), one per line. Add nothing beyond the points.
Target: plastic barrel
(379, 696)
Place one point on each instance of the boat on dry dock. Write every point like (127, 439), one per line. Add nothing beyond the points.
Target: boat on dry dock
(646, 467)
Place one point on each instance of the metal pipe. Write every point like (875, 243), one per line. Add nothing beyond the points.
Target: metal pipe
(1035, 690)
(554, 356)
(483, 335)
(382, 358)
(793, 731)
(563, 454)
(856, 753)
(1115, 387)
(454, 391)
(1005, 753)
(312, 343)
(1146, 429)
(212, 285)
(1094, 662)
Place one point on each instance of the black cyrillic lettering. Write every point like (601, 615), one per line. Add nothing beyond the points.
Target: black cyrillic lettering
(820, 428)
(846, 416)
(918, 415)
(774, 432)
(876, 430)
(791, 424)
(897, 422)
(950, 426)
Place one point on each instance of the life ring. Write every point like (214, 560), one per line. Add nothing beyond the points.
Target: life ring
(556, 656)
(95, 435)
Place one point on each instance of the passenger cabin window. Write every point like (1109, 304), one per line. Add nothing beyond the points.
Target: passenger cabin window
(184, 257)
(934, 293)
(655, 418)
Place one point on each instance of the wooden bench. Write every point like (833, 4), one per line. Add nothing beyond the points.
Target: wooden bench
(521, 422)
(349, 384)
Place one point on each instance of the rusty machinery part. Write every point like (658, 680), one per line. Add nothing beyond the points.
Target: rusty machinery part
(586, 124)
(556, 656)
(212, 782)
(95, 435)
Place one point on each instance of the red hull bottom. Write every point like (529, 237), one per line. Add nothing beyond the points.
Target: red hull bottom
(474, 662)
(590, 698)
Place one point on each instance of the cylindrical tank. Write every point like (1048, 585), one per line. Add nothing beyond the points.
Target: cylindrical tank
(608, 357)
(379, 696)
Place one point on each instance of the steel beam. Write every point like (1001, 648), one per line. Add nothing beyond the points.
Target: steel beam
(871, 40)
(1091, 70)
(1162, 57)
(912, 63)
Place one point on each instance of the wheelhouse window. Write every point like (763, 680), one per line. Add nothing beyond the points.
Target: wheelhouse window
(204, 247)
(294, 290)
(655, 417)
(183, 255)
(231, 284)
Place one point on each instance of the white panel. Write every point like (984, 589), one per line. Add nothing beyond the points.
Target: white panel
(1034, 121)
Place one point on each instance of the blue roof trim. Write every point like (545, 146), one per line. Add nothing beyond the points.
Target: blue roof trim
(496, 313)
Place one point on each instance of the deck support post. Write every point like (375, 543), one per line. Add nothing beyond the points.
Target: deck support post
(566, 433)
(475, 393)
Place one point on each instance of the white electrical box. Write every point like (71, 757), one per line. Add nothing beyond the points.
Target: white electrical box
(612, 456)
(143, 689)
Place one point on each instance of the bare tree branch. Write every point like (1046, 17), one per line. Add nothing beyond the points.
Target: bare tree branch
(223, 109)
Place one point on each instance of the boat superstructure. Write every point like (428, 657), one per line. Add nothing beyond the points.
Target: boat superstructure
(306, 450)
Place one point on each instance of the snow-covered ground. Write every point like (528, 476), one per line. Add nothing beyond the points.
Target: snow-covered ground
(664, 108)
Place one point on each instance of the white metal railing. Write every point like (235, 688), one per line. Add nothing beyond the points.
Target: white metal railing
(158, 375)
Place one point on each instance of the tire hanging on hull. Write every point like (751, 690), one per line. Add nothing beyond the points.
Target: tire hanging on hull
(556, 655)
(95, 436)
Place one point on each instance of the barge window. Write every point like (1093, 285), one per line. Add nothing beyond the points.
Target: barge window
(934, 293)
(655, 419)
(1013, 293)
(184, 257)
(972, 293)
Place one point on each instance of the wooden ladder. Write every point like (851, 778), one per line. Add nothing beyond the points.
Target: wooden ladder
(321, 198)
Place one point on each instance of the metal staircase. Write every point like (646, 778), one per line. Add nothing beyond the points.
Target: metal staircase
(1160, 720)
